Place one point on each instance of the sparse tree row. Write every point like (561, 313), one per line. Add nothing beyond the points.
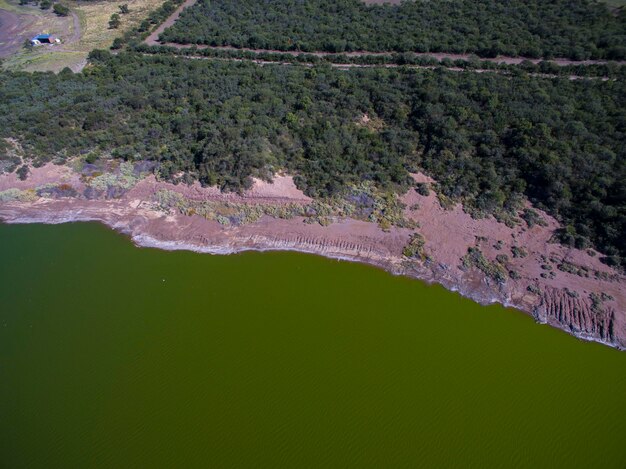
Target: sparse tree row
(608, 70)
(58, 8)
(489, 140)
(578, 29)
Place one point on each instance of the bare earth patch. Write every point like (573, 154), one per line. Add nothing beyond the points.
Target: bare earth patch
(565, 287)
(555, 282)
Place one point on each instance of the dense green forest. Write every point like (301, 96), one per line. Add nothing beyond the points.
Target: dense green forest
(579, 29)
(487, 139)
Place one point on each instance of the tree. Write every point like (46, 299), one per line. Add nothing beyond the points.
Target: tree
(124, 10)
(114, 22)
(45, 4)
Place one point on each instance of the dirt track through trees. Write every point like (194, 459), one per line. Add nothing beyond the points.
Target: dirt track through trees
(349, 66)
(153, 38)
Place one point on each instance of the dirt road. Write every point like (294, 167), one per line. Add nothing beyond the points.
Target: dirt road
(75, 37)
(438, 56)
(153, 39)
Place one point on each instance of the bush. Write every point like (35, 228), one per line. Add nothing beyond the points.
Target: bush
(415, 248)
(118, 43)
(23, 172)
(493, 270)
(61, 10)
(518, 252)
(422, 189)
(114, 22)
(532, 218)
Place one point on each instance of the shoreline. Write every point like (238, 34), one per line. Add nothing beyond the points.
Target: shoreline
(146, 241)
(557, 285)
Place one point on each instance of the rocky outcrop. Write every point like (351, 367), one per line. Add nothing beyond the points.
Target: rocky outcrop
(580, 316)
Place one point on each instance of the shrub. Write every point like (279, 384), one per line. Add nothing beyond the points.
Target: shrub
(23, 172)
(518, 252)
(61, 10)
(415, 247)
(532, 218)
(502, 258)
(114, 22)
(422, 188)
(17, 195)
(534, 289)
(514, 274)
(493, 270)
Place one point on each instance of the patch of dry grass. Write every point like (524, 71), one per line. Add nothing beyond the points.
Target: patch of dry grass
(94, 21)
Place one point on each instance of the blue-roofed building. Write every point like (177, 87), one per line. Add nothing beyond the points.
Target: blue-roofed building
(44, 39)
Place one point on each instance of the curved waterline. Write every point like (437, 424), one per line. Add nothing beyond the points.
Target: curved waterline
(116, 356)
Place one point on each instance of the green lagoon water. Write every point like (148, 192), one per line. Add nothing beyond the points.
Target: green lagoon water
(113, 356)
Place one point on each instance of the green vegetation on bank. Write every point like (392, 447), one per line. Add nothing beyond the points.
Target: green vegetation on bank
(579, 29)
(488, 140)
(493, 270)
(363, 202)
(415, 248)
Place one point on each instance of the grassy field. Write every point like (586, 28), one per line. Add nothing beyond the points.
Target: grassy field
(94, 20)
(91, 32)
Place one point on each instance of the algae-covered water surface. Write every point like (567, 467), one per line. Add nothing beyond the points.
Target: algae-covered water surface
(114, 356)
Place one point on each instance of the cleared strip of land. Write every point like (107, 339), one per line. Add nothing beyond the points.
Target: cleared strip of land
(153, 38)
(440, 57)
(348, 66)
